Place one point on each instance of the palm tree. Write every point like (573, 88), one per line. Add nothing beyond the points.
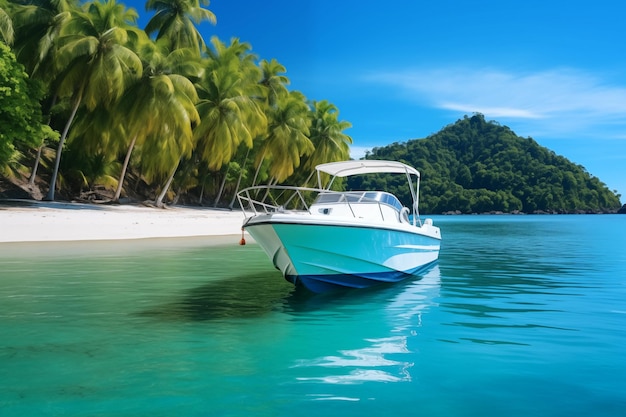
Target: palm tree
(6, 25)
(326, 133)
(38, 24)
(230, 116)
(172, 140)
(94, 137)
(159, 107)
(274, 82)
(93, 64)
(287, 139)
(175, 20)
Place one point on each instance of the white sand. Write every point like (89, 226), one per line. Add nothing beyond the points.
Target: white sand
(44, 222)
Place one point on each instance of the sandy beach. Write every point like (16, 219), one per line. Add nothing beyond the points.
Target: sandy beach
(27, 221)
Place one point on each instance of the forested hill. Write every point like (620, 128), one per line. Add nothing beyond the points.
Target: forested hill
(478, 166)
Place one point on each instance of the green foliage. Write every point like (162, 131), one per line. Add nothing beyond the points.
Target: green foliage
(331, 144)
(84, 171)
(173, 22)
(6, 25)
(288, 136)
(476, 166)
(230, 117)
(158, 110)
(20, 112)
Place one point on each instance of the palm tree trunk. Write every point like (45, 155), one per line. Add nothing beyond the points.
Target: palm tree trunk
(306, 182)
(270, 183)
(258, 168)
(243, 167)
(120, 182)
(219, 194)
(33, 174)
(201, 194)
(57, 159)
(159, 200)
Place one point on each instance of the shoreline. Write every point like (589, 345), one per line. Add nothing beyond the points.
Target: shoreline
(27, 221)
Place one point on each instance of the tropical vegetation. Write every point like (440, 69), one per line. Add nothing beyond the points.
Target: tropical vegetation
(94, 108)
(20, 113)
(478, 166)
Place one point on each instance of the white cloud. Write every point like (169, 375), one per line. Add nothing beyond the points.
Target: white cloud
(559, 101)
(491, 111)
(358, 152)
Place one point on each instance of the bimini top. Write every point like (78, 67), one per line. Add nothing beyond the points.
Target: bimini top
(367, 166)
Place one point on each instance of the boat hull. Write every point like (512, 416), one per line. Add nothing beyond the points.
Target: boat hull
(323, 255)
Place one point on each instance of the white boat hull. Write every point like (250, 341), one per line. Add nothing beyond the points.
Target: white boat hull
(322, 253)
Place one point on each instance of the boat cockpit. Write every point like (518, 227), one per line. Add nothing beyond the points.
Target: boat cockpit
(381, 205)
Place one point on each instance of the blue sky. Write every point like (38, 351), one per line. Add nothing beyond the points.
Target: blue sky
(399, 70)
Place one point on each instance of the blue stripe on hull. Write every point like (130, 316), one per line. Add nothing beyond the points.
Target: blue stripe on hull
(325, 283)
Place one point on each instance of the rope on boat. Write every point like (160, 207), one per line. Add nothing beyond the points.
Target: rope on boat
(243, 240)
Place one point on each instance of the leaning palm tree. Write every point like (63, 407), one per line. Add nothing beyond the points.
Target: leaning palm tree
(171, 138)
(273, 85)
(162, 97)
(231, 112)
(175, 20)
(93, 64)
(287, 141)
(230, 116)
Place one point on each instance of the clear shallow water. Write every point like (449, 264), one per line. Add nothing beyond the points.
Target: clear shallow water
(523, 315)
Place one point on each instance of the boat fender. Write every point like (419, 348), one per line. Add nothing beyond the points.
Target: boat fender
(243, 239)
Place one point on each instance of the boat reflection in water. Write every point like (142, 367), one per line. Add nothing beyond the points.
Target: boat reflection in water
(382, 359)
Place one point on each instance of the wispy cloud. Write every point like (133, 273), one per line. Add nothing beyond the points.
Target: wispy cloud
(558, 101)
(358, 152)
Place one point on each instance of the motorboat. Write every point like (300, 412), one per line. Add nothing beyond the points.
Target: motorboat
(326, 238)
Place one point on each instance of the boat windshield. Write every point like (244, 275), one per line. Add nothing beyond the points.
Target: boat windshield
(359, 197)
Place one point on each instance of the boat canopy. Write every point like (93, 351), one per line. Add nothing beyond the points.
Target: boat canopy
(367, 166)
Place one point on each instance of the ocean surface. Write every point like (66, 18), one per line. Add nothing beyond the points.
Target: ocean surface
(522, 316)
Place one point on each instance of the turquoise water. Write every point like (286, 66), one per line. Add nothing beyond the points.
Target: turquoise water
(523, 315)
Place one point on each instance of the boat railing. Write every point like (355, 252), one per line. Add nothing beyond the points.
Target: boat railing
(265, 199)
(276, 198)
